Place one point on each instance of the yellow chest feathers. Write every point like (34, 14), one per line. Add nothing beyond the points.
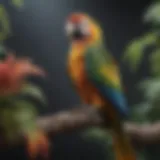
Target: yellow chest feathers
(76, 63)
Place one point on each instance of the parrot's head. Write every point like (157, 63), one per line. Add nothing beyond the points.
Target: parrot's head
(81, 28)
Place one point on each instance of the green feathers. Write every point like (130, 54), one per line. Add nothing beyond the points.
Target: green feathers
(102, 67)
(104, 74)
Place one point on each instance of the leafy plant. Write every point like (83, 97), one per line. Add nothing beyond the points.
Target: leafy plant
(17, 114)
(151, 86)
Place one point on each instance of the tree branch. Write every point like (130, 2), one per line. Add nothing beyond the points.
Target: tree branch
(84, 117)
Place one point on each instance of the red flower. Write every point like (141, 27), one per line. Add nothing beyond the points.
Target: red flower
(13, 73)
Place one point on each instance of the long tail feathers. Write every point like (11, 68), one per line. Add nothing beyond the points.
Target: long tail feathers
(122, 146)
(38, 145)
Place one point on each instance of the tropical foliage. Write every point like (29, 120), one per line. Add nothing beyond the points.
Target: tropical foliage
(18, 114)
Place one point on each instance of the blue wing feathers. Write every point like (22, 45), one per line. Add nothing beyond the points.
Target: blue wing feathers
(116, 98)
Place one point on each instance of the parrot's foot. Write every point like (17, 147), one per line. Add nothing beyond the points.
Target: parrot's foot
(38, 145)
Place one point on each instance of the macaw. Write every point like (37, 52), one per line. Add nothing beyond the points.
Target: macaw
(96, 77)
(18, 115)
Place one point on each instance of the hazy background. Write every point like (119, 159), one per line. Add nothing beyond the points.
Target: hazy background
(38, 32)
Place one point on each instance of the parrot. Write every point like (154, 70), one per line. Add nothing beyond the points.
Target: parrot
(96, 77)
(18, 115)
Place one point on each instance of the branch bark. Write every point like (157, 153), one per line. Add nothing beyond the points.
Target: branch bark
(83, 117)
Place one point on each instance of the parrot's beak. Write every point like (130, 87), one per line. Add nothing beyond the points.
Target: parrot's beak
(76, 32)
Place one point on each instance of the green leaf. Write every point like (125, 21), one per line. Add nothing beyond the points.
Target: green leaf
(134, 52)
(139, 112)
(155, 62)
(141, 155)
(98, 134)
(154, 112)
(17, 3)
(151, 88)
(101, 136)
(25, 115)
(5, 26)
(34, 92)
(19, 118)
(2, 51)
(152, 14)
